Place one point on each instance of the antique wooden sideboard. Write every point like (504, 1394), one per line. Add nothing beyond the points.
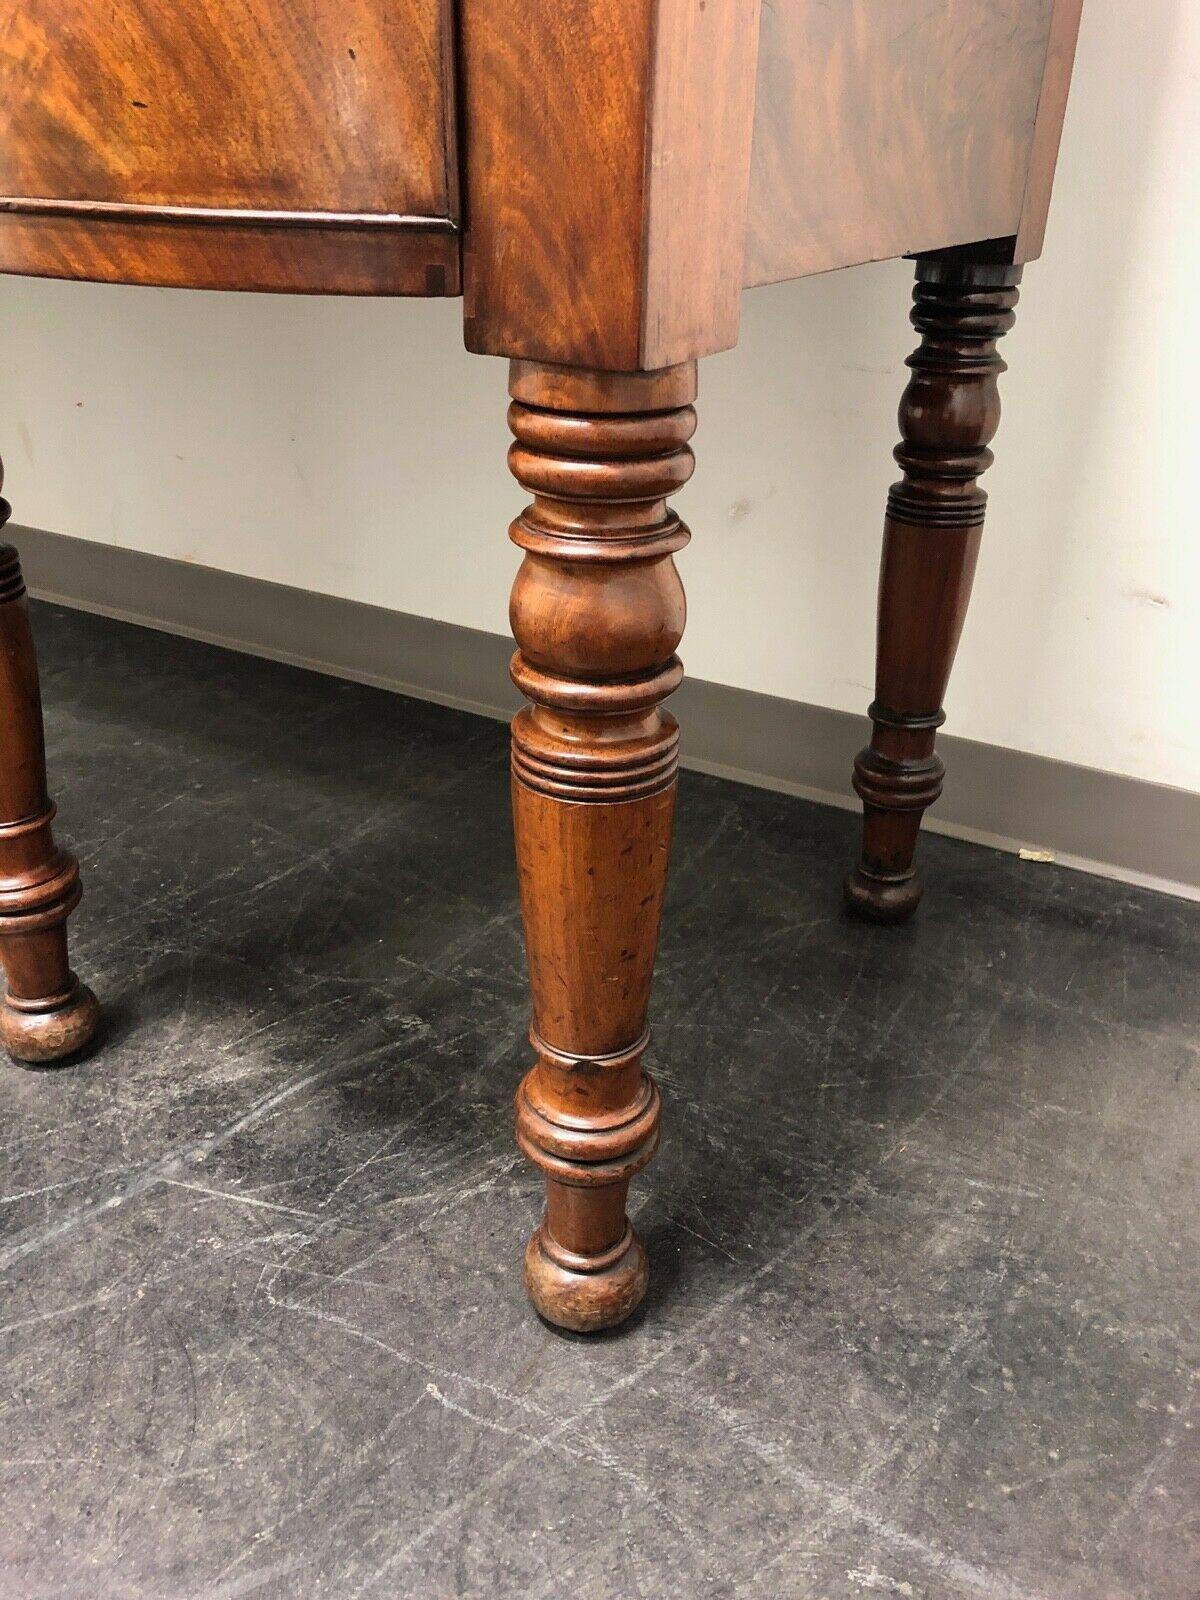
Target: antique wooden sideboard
(599, 180)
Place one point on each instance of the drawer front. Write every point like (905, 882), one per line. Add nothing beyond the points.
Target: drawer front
(330, 116)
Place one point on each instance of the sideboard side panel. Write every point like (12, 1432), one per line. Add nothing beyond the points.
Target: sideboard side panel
(1052, 108)
(701, 123)
(886, 129)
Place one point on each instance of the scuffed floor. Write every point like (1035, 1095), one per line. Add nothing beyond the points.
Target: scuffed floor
(923, 1319)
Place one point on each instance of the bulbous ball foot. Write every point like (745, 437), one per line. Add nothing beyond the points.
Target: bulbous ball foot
(888, 900)
(585, 1301)
(31, 1032)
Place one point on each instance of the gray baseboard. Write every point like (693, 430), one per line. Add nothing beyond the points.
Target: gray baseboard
(1100, 821)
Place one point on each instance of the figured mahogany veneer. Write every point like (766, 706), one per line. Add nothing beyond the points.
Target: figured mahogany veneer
(605, 225)
(722, 151)
(266, 144)
(627, 166)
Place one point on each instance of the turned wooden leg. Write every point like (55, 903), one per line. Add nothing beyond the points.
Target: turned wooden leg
(948, 416)
(47, 1013)
(597, 611)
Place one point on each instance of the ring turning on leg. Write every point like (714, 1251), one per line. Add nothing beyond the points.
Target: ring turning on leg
(597, 612)
(948, 417)
(46, 1014)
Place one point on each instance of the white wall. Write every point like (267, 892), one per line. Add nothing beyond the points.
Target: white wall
(352, 447)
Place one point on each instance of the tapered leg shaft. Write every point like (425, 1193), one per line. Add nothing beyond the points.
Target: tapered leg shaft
(948, 416)
(597, 612)
(47, 1013)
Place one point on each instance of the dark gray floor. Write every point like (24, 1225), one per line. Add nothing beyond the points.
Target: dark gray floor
(923, 1320)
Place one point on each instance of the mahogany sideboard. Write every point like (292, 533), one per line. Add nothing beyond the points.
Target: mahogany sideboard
(599, 180)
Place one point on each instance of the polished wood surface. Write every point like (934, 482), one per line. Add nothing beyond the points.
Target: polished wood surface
(628, 166)
(280, 144)
(605, 218)
(701, 120)
(948, 417)
(552, 267)
(597, 612)
(271, 257)
(883, 130)
(625, 169)
(46, 1014)
(1047, 132)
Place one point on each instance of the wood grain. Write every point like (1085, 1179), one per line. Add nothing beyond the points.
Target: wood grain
(949, 414)
(701, 120)
(615, 208)
(597, 612)
(271, 257)
(1047, 133)
(607, 155)
(46, 1013)
(176, 115)
(555, 150)
(887, 129)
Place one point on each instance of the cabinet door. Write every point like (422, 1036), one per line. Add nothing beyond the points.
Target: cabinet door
(230, 143)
